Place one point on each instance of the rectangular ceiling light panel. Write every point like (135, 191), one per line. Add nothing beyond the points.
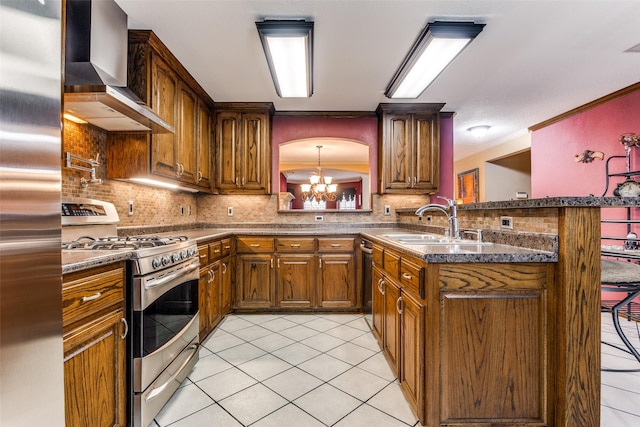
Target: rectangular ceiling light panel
(438, 44)
(288, 47)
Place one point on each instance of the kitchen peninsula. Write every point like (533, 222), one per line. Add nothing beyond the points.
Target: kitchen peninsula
(505, 335)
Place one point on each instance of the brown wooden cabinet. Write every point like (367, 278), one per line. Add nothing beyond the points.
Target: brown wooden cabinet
(214, 287)
(411, 366)
(296, 272)
(158, 78)
(337, 276)
(94, 332)
(243, 148)
(409, 148)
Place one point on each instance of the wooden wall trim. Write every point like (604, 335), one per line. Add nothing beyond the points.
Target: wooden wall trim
(603, 100)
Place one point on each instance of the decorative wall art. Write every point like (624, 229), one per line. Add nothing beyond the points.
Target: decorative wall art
(467, 190)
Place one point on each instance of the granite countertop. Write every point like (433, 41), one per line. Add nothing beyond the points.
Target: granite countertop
(466, 252)
(77, 260)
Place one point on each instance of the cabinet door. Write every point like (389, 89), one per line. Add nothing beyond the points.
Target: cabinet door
(295, 280)
(203, 306)
(213, 294)
(397, 173)
(255, 152)
(426, 152)
(164, 102)
(254, 281)
(204, 147)
(377, 309)
(391, 334)
(412, 324)
(94, 371)
(227, 138)
(225, 286)
(187, 168)
(337, 280)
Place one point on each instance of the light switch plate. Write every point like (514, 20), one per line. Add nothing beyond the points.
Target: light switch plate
(506, 222)
(387, 210)
(130, 211)
(230, 210)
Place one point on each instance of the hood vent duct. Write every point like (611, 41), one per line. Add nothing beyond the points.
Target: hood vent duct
(96, 70)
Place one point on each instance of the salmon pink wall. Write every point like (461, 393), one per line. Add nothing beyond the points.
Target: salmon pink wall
(363, 129)
(554, 171)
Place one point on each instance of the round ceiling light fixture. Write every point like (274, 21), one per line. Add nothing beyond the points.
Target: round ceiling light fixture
(479, 131)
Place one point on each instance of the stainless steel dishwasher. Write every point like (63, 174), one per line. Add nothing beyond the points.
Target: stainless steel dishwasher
(367, 264)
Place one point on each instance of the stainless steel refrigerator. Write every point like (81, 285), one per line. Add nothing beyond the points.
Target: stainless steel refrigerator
(31, 357)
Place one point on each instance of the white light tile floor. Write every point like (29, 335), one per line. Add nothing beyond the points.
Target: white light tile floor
(320, 370)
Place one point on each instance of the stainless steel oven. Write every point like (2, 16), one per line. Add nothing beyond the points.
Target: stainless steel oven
(162, 302)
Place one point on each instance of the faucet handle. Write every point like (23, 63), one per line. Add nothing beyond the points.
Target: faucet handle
(450, 202)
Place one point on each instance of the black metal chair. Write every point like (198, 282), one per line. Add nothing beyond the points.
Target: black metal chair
(623, 278)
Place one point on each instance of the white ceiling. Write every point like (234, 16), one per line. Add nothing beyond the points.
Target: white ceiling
(533, 60)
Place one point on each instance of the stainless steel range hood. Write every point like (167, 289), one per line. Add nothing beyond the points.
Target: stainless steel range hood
(96, 70)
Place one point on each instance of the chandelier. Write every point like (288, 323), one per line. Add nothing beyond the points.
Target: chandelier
(320, 186)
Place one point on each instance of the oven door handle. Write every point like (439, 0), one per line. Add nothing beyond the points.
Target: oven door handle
(158, 390)
(172, 276)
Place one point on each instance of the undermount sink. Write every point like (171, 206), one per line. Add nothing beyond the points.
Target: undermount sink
(432, 239)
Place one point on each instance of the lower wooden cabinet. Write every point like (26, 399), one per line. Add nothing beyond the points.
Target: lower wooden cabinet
(412, 338)
(295, 280)
(94, 332)
(337, 287)
(296, 273)
(391, 336)
(226, 285)
(209, 298)
(254, 274)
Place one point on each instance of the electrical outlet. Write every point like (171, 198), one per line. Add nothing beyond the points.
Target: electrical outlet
(506, 222)
(387, 210)
(319, 218)
(130, 211)
(230, 210)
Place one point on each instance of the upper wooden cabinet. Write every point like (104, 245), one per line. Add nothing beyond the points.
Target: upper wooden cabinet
(185, 157)
(409, 148)
(243, 144)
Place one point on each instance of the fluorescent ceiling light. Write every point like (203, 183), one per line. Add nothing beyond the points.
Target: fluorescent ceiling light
(288, 47)
(438, 44)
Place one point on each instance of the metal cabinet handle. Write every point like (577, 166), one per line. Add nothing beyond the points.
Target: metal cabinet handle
(320, 259)
(255, 245)
(224, 268)
(336, 245)
(216, 251)
(243, 181)
(278, 263)
(237, 182)
(126, 328)
(203, 256)
(380, 286)
(227, 246)
(406, 276)
(409, 181)
(271, 262)
(199, 176)
(295, 245)
(210, 274)
(415, 181)
(398, 303)
(92, 297)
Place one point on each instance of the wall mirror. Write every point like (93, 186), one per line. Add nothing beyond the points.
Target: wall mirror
(345, 161)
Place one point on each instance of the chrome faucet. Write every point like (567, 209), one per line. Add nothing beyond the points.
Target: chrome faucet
(450, 211)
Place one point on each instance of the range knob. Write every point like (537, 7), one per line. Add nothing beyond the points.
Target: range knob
(192, 251)
(156, 263)
(166, 260)
(176, 257)
(184, 254)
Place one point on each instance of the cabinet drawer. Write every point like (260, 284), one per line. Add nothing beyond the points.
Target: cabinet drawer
(254, 244)
(225, 246)
(412, 277)
(215, 251)
(83, 296)
(203, 254)
(345, 244)
(391, 262)
(296, 244)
